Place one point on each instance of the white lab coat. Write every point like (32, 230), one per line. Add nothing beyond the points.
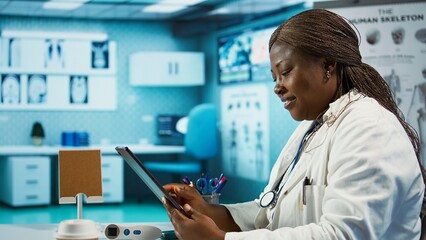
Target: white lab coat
(366, 182)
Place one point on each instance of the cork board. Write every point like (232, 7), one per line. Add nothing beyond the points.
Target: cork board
(80, 172)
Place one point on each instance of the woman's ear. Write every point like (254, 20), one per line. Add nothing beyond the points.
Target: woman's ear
(329, 65)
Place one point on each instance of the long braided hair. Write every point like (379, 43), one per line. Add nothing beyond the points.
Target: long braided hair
(322, 33)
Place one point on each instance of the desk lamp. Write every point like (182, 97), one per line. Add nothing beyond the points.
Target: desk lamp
(79, 175)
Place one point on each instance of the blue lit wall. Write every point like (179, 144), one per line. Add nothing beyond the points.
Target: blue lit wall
(135, 104)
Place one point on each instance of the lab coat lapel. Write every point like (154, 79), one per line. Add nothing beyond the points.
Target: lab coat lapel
(316, 140)
(299, 171)
(284, 161)
(296, 176)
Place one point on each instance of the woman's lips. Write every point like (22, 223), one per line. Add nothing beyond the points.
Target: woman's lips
(289, 102)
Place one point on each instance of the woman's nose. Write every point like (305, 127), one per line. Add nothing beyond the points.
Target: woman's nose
(279, 88)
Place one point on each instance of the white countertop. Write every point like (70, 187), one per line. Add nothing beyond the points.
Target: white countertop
(19, 150)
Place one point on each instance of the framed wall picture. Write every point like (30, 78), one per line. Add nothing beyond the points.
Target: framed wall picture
(10, 89)
(37, 89)
(79, 89)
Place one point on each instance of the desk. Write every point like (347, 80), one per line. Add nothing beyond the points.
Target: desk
(28, 168)
(47, 231)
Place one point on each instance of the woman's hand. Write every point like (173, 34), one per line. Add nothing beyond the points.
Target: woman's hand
(210, 215)
(185, 194)
(196, 226)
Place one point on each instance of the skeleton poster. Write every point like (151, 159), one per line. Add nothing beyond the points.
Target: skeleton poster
(393, 40)
(245, 131)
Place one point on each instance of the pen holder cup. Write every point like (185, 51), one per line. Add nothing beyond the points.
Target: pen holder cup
(212, 199)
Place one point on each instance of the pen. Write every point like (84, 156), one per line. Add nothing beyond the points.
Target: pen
(221, 176)
(306, 182)
(187, 179)
(184, 180)
(220, 185)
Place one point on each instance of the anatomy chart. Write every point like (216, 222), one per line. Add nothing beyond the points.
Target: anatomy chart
(245, 131)
(393, 40)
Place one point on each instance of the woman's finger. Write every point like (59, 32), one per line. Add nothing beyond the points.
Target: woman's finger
(172, 186)
(178, 235)
(187, 192)
(173, 212)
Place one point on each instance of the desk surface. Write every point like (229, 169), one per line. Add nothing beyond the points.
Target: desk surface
(23, 150)
(47, 231)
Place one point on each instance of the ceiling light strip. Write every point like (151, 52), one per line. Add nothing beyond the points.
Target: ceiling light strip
(170, 6)
(64, 4)
(54, 35)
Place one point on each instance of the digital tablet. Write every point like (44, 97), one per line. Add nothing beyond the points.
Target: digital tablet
(147, 177)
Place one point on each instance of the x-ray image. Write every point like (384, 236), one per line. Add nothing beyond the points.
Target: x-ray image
(14, 50)
(54, 53)
(37, 88)
(10, 89)
(79, 89)
(100, 54)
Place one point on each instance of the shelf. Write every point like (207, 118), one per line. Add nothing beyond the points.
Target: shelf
(24, 150)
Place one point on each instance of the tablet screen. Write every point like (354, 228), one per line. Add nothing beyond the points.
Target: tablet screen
(147, 177)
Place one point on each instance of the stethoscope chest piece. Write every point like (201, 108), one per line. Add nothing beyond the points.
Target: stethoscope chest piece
(269, 199)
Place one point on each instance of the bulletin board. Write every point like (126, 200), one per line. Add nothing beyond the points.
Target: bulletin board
(57, 73)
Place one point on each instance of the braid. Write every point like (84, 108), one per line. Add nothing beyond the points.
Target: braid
(368, 81)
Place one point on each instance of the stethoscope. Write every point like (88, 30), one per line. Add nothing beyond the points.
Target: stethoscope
(269, 199)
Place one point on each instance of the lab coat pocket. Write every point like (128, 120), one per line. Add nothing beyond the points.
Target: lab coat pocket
(312, 203)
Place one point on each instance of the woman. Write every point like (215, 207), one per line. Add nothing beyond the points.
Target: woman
(351, 170)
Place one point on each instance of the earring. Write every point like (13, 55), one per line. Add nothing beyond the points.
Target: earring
(327, 74)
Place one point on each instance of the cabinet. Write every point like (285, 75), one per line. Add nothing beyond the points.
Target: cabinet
(166, 69)
(25, 180)
(112, 179)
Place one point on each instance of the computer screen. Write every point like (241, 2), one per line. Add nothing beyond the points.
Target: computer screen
(166, 129)
(244, 56)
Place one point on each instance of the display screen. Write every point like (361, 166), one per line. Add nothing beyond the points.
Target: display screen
(166, 125)
(244, 56)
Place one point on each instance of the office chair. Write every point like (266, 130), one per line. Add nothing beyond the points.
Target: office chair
(200, 143)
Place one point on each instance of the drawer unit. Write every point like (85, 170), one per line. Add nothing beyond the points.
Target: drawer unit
(112, 179)
(25, 180)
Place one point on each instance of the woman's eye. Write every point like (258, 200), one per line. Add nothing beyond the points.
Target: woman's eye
(274, 78)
